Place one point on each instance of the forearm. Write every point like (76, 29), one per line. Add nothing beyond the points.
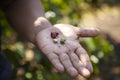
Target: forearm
(27, 18)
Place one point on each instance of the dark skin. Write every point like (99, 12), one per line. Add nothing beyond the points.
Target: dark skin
(27, 18)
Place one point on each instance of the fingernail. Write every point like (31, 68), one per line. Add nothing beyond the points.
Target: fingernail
(90, 68)
(60, 68)
(85, 72)
(73, 72)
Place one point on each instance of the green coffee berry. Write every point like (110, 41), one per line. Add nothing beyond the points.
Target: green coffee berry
(63, 39)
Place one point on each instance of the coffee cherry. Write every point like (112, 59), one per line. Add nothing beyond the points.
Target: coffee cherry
(55, 40)
(62, 41)
(54, 34)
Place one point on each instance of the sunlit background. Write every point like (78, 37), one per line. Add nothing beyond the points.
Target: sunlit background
(29, 64)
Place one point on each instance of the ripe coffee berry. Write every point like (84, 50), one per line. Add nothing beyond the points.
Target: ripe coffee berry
(54, 34)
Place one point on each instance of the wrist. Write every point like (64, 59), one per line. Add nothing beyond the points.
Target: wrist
(41, 23)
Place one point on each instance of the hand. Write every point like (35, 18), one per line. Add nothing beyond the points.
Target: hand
(68, 55)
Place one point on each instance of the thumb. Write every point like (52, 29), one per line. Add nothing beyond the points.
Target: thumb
(87, 32)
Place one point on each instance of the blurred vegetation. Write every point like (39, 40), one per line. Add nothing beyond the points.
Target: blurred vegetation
(29, 64)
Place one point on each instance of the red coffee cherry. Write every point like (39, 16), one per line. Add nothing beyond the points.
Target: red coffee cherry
(54, 34)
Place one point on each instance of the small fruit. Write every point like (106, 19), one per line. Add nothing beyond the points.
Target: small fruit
(63, 39)
(55, 40)
(54, 34)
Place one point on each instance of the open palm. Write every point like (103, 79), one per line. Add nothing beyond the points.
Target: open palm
(68, 55)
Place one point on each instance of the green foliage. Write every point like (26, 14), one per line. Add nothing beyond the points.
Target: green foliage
(99, 49)
(36, 66)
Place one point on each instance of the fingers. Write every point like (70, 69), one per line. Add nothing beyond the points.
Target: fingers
(68, 65)
(83, 56)
(55, 61)
(79, 65)
(87, 32)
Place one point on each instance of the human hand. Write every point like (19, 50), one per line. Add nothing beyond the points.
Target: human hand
(61, 46)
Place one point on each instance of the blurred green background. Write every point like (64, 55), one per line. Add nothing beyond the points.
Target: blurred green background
(29, 64)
